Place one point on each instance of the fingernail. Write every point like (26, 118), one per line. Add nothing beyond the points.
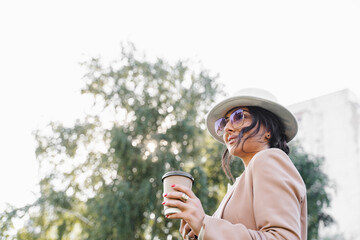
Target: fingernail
(173, 185)
(167, 216)
(163, 202)
(165, 194)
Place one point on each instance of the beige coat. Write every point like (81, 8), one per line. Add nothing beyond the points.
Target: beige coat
(268, 201)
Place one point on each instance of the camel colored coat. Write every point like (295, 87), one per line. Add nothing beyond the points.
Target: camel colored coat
(268, 201)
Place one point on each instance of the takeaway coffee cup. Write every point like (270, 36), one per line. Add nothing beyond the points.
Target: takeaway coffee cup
(175, 177)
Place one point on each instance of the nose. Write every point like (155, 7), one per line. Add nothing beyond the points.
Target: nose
(228, 127)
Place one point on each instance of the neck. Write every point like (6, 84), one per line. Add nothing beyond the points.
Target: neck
(246, 159)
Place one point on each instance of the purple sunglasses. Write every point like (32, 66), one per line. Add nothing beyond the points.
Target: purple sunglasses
(236, 120)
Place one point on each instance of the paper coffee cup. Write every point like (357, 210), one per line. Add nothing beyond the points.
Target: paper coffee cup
(175, 177)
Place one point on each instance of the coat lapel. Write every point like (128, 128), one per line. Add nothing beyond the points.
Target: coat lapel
(219, 212)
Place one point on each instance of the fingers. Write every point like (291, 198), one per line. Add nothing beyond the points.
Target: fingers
(174, 203)
(181, 188)
(191, 235)
(191, 210)
(185, 230)
(177, 195)
(182, 225)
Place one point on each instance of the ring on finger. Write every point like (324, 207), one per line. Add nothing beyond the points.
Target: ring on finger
(184, 197)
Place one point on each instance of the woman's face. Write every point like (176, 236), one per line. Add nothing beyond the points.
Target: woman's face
(245, 150)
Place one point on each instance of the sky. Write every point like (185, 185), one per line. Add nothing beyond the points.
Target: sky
(297, 50)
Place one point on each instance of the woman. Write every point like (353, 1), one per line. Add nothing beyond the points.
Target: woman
(268, 200)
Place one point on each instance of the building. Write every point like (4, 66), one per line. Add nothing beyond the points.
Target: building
(329, 126)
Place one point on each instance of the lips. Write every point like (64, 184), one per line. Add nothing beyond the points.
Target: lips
(232, 139)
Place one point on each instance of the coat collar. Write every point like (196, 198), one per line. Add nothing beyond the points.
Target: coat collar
(219, 212)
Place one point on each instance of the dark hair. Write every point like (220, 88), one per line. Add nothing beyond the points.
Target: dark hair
(271, 123)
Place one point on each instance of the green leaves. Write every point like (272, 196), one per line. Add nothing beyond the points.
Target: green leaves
(318, 185)
(101, 176)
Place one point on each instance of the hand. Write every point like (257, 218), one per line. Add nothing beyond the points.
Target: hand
(192, 212)
(186, 231)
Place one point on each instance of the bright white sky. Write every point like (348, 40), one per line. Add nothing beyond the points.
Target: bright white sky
(296, 49)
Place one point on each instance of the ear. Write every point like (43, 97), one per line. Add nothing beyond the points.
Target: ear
(267, 135)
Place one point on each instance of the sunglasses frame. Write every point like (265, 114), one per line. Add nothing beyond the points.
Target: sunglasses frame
(226, 119)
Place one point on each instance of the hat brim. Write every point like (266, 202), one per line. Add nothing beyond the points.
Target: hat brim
(219, 110)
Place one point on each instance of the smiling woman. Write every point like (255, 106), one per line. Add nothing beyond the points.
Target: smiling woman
(259, 129)
(268, 200)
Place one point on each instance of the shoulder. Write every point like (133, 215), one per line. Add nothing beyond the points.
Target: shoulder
(270, 157)
(275, 163)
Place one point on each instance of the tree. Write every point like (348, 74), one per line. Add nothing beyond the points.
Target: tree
(317, 184)
(105, 178)
(105, 170)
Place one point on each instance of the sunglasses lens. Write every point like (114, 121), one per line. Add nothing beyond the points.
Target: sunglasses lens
(236, 118)
(219, 126)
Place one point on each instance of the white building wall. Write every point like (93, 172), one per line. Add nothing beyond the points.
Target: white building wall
(329, 126)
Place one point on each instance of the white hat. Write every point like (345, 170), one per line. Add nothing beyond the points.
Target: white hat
(252, 97)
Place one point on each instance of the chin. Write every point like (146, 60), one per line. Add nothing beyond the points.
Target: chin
(234, 151)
